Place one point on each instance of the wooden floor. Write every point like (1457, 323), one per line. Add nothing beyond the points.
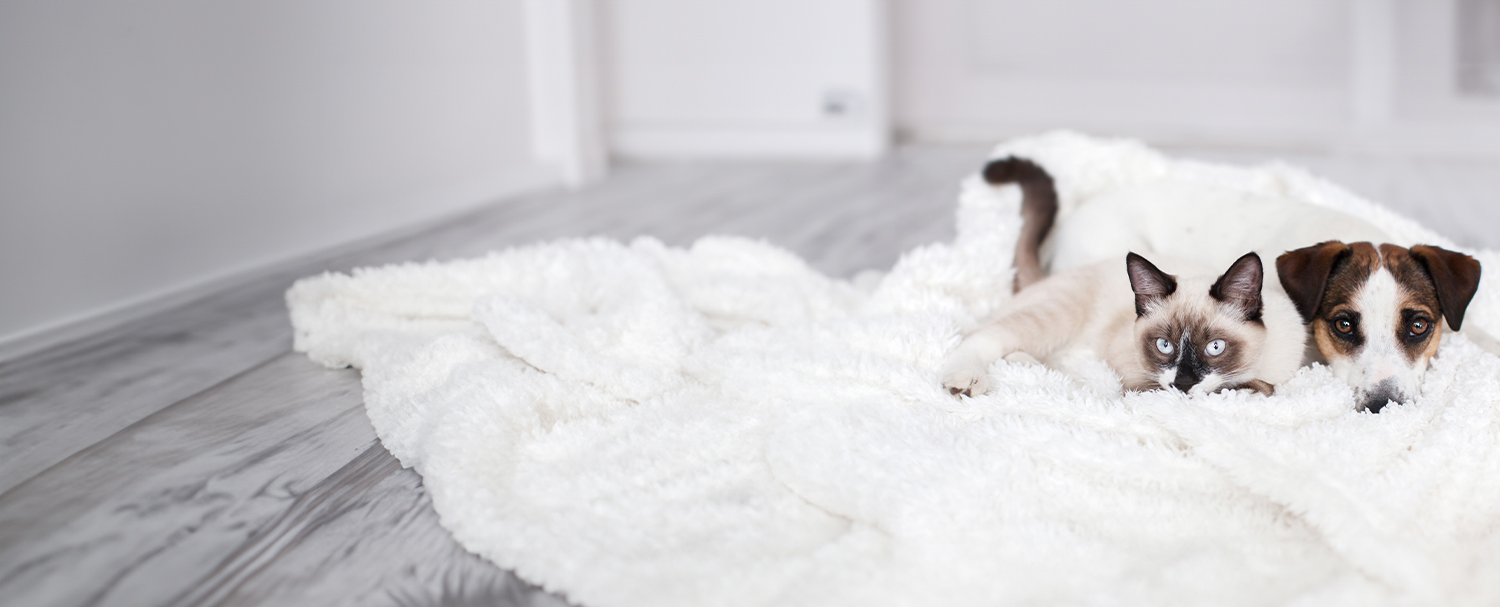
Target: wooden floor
(191, 459)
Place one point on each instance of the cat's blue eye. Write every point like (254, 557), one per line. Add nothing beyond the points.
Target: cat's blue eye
(1215, 348)
(1163, 346)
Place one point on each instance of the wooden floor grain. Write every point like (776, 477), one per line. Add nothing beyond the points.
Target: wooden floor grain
(191, 459)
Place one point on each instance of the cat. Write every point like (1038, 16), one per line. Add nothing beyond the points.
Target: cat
(1194, 332)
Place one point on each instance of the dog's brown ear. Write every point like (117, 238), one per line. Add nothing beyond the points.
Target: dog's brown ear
(1151, 285)
(1304, 274)
(1456, 277)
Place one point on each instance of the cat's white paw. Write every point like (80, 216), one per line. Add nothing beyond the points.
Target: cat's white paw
(966, 378)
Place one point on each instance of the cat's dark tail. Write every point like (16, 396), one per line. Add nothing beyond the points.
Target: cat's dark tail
(1038, 211)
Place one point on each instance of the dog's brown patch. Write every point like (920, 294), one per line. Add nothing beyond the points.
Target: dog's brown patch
(1418, 326)
(1347, 276)
(1304, 274)
(1348, 268)
(1324, 281)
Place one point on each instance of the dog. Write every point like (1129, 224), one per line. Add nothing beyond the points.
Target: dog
(1379, 290)
(1375, 312)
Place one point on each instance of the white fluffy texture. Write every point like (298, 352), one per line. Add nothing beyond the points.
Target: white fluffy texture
(643, 425)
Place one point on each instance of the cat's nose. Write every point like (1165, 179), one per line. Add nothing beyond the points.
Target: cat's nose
(1185, 380)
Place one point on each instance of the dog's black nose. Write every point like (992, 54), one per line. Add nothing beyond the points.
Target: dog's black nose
(1383, 394)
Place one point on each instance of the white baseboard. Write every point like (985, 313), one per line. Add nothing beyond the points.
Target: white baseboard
(1395, 139)
(1431, 140)
(103, 318)
(782, 142)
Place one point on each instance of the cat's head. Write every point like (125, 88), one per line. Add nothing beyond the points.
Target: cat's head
(1197, 336)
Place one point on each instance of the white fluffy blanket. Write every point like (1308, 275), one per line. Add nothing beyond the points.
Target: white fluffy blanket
(634, 424)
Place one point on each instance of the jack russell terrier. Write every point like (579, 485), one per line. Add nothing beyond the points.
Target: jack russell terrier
(1374, 311)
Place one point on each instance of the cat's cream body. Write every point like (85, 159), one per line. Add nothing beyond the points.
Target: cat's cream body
(1091, 311)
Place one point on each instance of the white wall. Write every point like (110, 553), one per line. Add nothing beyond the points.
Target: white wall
(1371, 75)
(148, 146)
(745, 77)
(1429, 109)
(978, 69)
(153, 145)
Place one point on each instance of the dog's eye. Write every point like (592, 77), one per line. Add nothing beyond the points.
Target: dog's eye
(1343, 325)
(1215, 348)
(1418, 326)
(1163, 346)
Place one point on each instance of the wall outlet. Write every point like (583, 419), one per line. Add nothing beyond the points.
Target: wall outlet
(842, 104)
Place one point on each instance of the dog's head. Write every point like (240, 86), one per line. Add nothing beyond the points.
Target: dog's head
(1376, 311)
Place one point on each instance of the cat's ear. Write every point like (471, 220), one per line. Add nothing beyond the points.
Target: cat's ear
(1240, 286)
(1150, 284)
(1304, 274)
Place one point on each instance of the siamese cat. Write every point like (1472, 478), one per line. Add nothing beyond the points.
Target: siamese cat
(1193, 332)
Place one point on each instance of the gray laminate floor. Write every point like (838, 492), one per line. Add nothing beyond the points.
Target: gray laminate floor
(190, 458)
